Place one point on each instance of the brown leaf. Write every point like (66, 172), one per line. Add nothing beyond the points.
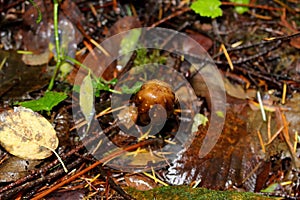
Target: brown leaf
(232, 159)
(14, 168)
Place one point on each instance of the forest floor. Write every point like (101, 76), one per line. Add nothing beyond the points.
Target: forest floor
(149, 99)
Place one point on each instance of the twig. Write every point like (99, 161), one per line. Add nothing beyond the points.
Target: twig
(115, 186)
(288, 141)
(260, 43)
(249, 58)
(37, 182)
(97, 163)
(177, 13)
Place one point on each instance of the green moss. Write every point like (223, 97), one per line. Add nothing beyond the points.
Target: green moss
(145, 57)
(185, 192)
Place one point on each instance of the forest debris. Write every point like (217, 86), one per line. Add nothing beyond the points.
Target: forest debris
(14, 168)
(139, 182)
(237, 90)
(295, 42)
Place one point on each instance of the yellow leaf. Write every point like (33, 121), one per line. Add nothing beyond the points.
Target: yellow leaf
(27, 134)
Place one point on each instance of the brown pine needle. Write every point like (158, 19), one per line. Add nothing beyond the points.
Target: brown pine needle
(261, 141)
(93, 9)
(227, 56)
(99, 47)
(3, 62)
(104, 112)
(274, 136)
(90, 48)
(288, 141)
(252, 172)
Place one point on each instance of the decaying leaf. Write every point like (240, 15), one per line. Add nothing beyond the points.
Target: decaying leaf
(27, 134)
(37, 59)
(237, 91)
(231, 160)
(14, 168)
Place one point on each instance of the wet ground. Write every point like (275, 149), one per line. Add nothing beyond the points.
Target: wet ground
(249, 142)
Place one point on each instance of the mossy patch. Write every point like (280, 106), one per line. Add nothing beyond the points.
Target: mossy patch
(185, 192)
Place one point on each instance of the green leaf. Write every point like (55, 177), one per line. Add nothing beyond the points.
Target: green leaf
(134, 89)
(86, 98)
(271, 188)
(207, 8)
(98, 85)
(47, 102)
(113, 81)
(241, 9)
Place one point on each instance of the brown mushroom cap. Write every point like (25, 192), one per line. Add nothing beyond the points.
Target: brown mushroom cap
(154, 92)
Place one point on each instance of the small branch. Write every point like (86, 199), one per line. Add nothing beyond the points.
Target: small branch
(97, 163)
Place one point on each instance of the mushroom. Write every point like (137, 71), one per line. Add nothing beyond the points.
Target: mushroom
(154, 101)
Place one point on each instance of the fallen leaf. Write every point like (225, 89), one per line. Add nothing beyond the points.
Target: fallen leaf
(37, 59)
(231, 160)
(14, 168)
(27, 134)
(203, 40)
(235, 90)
